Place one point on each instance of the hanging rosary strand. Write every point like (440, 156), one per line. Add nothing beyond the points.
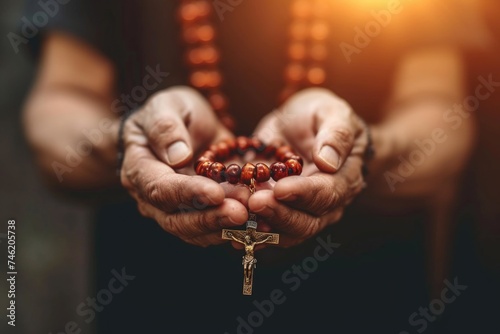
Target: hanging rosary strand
(306, 51)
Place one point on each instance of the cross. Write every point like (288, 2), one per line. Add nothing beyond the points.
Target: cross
(249, 238)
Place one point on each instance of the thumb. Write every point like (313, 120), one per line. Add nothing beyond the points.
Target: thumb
(335, 135)
(177, 122)
(269, 130)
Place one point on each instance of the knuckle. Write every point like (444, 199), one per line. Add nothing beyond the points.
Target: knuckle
(343, 135)
(153, 193)
(162, 127)
(168, 223)
(311, 227)
(322, 199)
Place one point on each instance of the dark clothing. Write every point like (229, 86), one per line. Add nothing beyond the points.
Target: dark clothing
(371, 283)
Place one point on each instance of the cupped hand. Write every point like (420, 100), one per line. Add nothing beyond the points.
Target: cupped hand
(161, 139)
(332, 139)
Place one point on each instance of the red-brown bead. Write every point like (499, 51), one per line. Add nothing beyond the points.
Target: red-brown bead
(292, 155)
(247, 173)
(262, 172)
(223, 151)
(233, 173)
(269, 151)
(282, 151)
(278, 171)
(209, 154)
(203, 168)
(293, 167)
(257, 145)
(231, 143)
(243, 144)
(217, 172)
(201, 160)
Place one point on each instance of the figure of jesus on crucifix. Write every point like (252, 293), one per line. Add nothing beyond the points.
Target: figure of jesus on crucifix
(249, 238)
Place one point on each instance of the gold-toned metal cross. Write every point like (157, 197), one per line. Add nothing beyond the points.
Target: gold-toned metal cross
(249, 238)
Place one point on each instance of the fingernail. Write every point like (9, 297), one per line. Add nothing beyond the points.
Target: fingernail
(177, 152)
(330, 156)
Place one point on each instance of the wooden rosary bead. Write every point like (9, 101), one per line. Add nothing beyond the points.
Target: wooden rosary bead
(316, 75)
(293, 167)
(205, 33)
(243, 144)
(292, 155)
(203, 168)
(233, 173)
(282, 151)
(210, 154)
(223, 151)
(206, 79)
(319, 30)
(218, 101)
(289, 163)
(217, 172)
(194, 11)
(231, 143)
(262, 172)
(199, 33)
(257, 145)
(207, 55)
(278, 171)
(298, 158)
(272, 147)
(247, 173)
(201, 160)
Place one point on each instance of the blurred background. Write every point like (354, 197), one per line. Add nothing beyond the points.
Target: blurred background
(54, 235)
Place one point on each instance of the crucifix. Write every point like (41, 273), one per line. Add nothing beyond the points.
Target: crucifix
(250, 238)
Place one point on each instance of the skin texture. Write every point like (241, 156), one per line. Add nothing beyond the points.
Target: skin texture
(75, 89)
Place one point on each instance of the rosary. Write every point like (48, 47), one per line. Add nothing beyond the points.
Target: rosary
(308, 31)
(288, 164)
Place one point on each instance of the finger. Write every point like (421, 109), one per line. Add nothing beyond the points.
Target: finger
(282, 217)
(238, 192)
(177, 121)
(270, 129)
(321, 192)
(197, 223)
(294, 226)
(159, 185)
(198, 227)
(336, 131)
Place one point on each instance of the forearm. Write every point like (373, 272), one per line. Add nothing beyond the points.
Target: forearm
(74, 136)
(419, 150)
(420, 146)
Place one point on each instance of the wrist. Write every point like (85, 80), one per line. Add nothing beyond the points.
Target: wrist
(120, 142)
(382, 145)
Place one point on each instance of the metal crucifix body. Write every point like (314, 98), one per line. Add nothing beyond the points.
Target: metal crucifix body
(249, 238)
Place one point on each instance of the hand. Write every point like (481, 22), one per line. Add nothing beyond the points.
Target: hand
(164, 135)
(332, 139)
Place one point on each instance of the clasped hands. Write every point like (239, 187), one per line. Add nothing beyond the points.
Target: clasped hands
(162, 140)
